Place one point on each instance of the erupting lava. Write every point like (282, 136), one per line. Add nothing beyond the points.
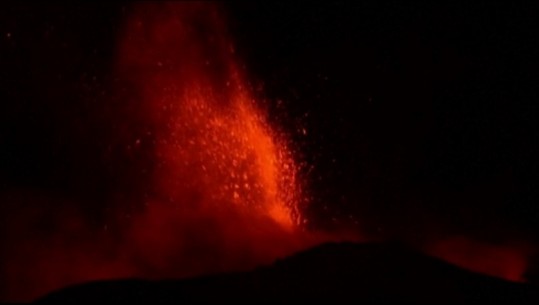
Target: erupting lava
(213, 145)
(217, 159)
(221, 190)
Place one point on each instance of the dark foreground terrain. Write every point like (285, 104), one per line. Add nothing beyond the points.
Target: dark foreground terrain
(335, 273)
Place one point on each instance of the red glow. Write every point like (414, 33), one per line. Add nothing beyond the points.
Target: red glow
(223, 192)
(222, 176)
(211, 139)
(221, 189)
(504, 261)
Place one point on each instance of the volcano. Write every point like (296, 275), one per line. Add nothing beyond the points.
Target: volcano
(208, 152)
(332, 273)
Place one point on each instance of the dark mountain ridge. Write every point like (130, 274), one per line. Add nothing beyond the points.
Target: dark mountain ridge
(333, 272)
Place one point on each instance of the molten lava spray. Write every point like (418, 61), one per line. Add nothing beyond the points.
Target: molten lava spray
(222, 176)
(203, 181)
(213, 145)
(217, 186)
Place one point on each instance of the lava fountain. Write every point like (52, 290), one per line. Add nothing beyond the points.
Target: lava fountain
(211, 139)
(224, 182)
(220, 188)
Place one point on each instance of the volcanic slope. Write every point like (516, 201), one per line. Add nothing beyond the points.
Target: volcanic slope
(332, 272)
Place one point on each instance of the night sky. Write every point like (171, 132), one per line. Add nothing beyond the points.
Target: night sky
(421, 121)
(419, 116)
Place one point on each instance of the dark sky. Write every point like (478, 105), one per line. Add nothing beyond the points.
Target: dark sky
(421, 120)
(420, 117)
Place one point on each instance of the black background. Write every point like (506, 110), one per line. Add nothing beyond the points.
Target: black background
(421, 119)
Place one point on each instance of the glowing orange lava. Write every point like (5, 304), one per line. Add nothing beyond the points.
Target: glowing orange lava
(229, 156)
(219, 188)
(224, 180)
(212, 140)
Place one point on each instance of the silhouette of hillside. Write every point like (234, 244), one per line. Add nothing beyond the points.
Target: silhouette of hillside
(333, 272)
